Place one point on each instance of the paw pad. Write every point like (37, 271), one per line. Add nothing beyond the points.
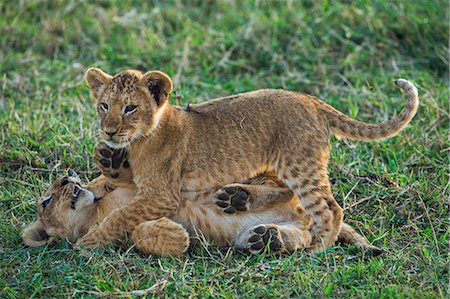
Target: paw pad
(261, 237)
(105, 163)
(232, 199)
(105, 153)
(112, 162)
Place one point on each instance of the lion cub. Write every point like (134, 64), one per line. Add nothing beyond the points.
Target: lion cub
(269, 217)
(223, 141)
(69, 209)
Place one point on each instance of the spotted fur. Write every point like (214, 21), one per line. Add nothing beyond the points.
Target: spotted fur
(224, 141)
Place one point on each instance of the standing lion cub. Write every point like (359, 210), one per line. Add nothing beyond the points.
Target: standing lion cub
(224, 141)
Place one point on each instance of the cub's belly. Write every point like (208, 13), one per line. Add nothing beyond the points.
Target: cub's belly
(216, 177)
(207, 221)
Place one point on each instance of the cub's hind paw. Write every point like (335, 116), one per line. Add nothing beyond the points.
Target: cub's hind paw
(262, 237)
(232, 199)
(112, 163)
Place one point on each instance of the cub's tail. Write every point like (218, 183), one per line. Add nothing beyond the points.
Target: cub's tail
(343, 126)
(349, 236)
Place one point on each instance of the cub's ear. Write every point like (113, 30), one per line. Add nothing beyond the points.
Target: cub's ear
(35, 235)
(96, 80)
(159, 85)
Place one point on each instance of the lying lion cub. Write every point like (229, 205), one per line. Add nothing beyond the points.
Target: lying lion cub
(223, 141)
(277, 222)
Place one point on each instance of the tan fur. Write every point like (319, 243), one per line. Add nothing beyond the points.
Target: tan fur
(201, 217)
(223, 141)
(198, 217)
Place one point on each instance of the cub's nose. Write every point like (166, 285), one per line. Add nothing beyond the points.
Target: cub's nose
(111, 133)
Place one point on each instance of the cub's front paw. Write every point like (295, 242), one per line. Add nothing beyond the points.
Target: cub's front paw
(113, 163)
(93, 239)
(232, 199)
(161, 237)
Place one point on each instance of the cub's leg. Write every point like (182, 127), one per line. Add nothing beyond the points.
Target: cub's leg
(123, 221)
(113, 163)
(264, 191)
(234, 198)
(309, 180)
(161, 237)
(275, 238)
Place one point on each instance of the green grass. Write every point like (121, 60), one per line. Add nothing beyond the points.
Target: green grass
(347, 52)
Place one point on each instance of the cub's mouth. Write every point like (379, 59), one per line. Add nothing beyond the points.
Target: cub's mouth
(117, 144)
(122, 139)
(81, 198)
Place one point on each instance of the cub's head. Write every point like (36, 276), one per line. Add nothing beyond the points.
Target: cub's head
(63, 212)
(129, 104)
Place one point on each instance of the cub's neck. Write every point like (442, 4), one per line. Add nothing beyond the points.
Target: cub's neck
(171, 131)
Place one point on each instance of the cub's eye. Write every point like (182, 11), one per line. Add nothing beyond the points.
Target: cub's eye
(65, 180)
(46, 202)
(130, 109)
(105, 107)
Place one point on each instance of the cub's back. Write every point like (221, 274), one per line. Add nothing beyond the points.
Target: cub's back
(261, 114)
(236, 137)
